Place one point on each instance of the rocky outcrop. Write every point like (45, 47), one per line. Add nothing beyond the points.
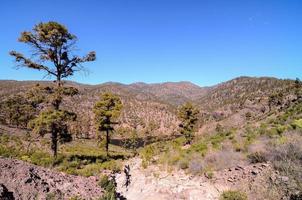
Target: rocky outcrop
(20, 180)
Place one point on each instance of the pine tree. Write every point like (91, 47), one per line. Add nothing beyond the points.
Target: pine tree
(188, 116)
(17, 111)
(52, 48)
(106, 111)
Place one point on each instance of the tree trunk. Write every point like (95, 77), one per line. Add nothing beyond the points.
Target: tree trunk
(107, 142)
(54, 143)
(58, 100)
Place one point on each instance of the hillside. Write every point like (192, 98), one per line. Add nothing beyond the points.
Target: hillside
(248, 139)
(175, 93)
(152, 107)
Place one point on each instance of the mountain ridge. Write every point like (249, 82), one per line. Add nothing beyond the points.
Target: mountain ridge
(155, 105)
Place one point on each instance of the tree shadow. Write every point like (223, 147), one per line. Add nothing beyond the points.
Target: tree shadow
(140, 141)
(97, 158)
(89, 158)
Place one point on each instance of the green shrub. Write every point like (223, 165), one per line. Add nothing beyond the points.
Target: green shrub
(172, 159)
(113, 165)
(109, 187)
(200, 147)
(51, 196)
(147, 153)
(250, 135)
(217, 139)
(272, 132)
(144, 164)
(89, 170)
(41, 158)
(104, 181)
(6, 151)
(76, 198)
(233, 195)
(183, 163)
(297, 124)
(280, 129)
(262, 129)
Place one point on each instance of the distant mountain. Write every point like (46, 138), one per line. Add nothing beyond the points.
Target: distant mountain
(175, 93)
(237, 91)
(152, 107)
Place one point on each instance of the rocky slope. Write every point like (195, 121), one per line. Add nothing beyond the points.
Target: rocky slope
(26, 181)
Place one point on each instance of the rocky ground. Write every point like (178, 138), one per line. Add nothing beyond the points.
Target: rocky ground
(156, 183)
(20, 180)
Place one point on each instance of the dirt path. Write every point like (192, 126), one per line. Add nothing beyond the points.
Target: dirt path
(155, 183)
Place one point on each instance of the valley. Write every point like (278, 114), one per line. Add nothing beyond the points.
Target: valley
(246, 133)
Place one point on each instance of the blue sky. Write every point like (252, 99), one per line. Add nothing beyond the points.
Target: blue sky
(202, 41)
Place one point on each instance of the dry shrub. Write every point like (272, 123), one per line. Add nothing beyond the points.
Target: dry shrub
(287, 159)
(257, 157)
(223, 159)
(196, 165)
(259, 145)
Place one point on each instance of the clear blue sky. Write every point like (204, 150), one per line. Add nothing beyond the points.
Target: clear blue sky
(202, 41)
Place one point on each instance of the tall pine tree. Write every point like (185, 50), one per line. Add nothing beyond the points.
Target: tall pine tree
(52, 47)
(188, 116)
(106, 111)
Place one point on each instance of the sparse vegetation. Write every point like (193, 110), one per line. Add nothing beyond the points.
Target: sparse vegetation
(233, 195)
(142, 130)
(77, 158)
(287, 159)
(257, 157)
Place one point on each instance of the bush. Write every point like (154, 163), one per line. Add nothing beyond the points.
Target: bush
(257, 157)
(196, 166)
(8, 151)
(280, 129)
(250, 136)
(209, 173)
(112, 165)
(104, 181)
(217, 139)
(41, 158)
(272, 132)
(200, 147)
(297, 124)
(233, 195)
(248, 115)
(109, 186)
(50, 196)
(223, 159)
(183, 163)
(147, 155)
(287, 159)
